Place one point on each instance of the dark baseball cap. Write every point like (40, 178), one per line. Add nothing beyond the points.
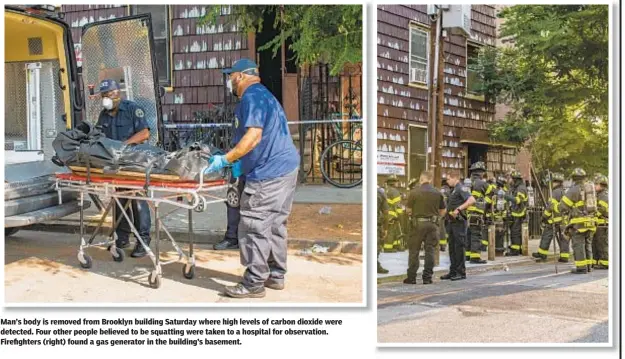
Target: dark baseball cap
(241, 65)
(108, 85)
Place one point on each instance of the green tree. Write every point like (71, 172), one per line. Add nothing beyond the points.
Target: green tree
(555, 79)
(327, 33)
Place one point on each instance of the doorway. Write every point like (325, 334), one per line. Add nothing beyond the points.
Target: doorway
(475, 153)
(269, 65)
(418, 151)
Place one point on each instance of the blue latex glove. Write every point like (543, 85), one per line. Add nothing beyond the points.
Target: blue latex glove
(236, 169)
(217, 163)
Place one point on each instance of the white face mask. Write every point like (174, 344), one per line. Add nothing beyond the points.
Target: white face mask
(107, 103)
(229, 86)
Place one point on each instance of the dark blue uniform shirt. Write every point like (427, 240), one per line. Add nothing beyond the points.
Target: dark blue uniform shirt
(275, 155)
(129, 120)
(457, 197)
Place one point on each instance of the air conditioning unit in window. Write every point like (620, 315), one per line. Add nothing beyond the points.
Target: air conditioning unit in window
(418, 75)
(457, 19)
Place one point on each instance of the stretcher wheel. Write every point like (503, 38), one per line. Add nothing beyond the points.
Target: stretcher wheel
(85, 260)
(154, 279)
(188, 271)
(232, 197)
(201, 207)
(119, 255)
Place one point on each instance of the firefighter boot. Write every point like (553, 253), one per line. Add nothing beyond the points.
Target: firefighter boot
(539, 257)
(579, 270)
(381, 270)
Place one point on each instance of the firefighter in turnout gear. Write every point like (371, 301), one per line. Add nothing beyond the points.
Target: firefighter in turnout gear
(425, 205)
(382, 225)
(553, 219)
(499, 212)
(518, 204)
(579, 202)
(393, 239)
(444, 224)
(477, 212)
(600, 239)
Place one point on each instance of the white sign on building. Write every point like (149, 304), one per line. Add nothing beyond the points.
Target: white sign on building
(391, 163)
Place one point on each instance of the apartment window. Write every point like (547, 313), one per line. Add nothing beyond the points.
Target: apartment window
(474, 81)
(419, 46)
(418, 147)
(160, 29)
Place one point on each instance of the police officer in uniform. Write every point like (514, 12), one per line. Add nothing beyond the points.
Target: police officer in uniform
(393, 198)
(600, 239)
(124, 120)
(518, 204)
(553, 219)
(425, 206)
(444, 223)
(581, 221)
(477, 212)
(459, 200)
(382, 225)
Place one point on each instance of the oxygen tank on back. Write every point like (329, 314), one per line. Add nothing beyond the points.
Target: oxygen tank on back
(501, 201)
(466, 185)
(589, 196)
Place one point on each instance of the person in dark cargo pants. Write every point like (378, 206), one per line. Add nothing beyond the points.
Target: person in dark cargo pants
(265, 154)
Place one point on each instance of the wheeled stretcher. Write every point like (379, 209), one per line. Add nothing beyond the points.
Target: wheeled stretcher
(155, 190)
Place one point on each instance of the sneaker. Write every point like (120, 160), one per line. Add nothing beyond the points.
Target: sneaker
(139, 251)
(241, 291)
(227, 244)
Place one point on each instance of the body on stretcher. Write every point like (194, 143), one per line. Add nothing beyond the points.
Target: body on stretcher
(155, 190)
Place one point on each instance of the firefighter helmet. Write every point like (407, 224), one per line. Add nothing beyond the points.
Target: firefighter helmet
(601, 179)
(412, 183)
(501, 181)
(392, 179)
(578, 173)
(478, 166)
(516, 174)
(557, 177)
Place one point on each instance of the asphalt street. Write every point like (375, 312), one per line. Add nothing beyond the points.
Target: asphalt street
(527, 304)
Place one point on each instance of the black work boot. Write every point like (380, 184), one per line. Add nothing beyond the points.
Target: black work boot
(478, 261)
(410, 281)
(427, 280)
(467, 258)
(226, 244)
(601, 266)
(447, 276)
(241, 291)
(458, 277)
(443, 248)
(539, 256)
(139, 251)
(122, 243)
(580, 270)
(513, 254)
(563, 260)
(589, 268)
(381, 270)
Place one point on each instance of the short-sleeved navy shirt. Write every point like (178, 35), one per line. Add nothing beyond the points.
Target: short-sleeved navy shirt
(129, 119)
(275, 155)
(457, 197)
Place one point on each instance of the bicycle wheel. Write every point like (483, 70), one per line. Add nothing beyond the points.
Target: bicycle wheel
(341, 164)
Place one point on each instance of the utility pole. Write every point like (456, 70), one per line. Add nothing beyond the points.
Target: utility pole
(437, 100)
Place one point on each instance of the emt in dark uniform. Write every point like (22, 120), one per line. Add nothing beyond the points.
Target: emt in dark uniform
(459, 200)
(124, 120)
(425, 207)
(265, 154)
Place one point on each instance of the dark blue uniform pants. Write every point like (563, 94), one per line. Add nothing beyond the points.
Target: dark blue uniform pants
(142, 219)
(457, 237)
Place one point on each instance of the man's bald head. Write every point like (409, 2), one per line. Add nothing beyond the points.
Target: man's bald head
(426, 177)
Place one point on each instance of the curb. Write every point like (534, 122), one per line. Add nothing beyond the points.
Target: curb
(205, 237)
(471, 270)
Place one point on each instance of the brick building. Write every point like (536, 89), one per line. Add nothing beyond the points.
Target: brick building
(404, 69)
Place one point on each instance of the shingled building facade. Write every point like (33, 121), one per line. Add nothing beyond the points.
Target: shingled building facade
(404, 69)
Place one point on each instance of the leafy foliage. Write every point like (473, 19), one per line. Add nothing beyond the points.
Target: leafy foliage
(327, 33)
(555, 80)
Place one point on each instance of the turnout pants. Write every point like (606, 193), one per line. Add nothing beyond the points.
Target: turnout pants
(600, 246)
(426, 234)
(234, 215)
(265, 208)
(582, 248)
(547, 236)
(515, 234)
(500, 235)
(139, 212)
(476, 241)
(457, 237)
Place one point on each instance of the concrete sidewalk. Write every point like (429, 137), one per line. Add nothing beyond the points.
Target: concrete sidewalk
(397, 263)
(209, 226)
